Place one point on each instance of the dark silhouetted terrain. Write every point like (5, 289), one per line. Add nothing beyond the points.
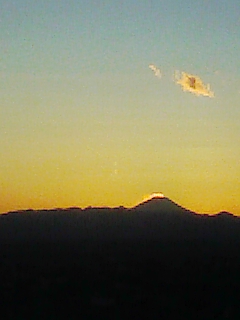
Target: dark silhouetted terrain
(154, 261)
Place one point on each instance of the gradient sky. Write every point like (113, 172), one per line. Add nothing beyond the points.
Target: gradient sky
(84, 121)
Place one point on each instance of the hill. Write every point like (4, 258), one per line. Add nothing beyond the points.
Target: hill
(156, 260)
(156, 218)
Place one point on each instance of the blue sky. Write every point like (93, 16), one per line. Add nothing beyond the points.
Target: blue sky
(81, 33)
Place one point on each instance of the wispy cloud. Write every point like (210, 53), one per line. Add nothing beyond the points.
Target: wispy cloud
(193, 84)
(156, 70)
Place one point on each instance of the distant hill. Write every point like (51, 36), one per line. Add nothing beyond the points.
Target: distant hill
(156, 218)
(156, 260)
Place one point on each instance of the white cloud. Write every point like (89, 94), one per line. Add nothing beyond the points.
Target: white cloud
(156, 70)
(193, 84)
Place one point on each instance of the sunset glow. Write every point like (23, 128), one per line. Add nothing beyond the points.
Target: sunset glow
(84, 120)
(154, 195)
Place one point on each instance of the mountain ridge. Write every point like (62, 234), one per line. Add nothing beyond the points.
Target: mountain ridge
(155, 219)
(153, 204)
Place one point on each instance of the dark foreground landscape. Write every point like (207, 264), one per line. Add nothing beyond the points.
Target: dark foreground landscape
(155, 261)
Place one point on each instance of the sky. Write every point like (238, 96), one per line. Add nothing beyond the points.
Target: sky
(85, 122)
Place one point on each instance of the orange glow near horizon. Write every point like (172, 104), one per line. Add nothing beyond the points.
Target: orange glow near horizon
(148, 197)
(154, 195)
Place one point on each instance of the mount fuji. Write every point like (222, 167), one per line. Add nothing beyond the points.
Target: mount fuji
(157, 217)
(160, 204)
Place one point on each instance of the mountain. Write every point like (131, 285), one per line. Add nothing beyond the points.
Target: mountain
(156, 260)
(156, 218)
(160, 204)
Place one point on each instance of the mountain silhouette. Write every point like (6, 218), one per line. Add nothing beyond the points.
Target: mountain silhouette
(105, 262)
(160, 204)
(156, 218)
